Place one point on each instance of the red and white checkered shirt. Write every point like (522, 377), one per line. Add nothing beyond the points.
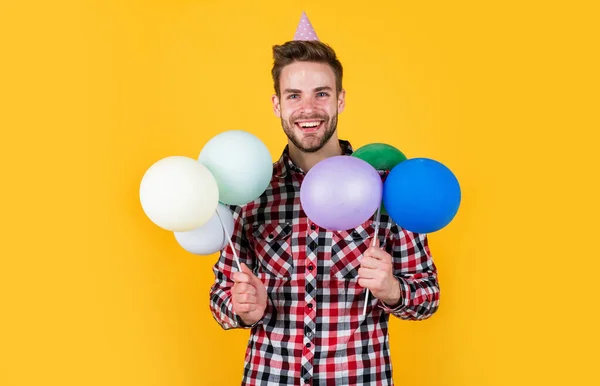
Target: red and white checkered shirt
(313, 331)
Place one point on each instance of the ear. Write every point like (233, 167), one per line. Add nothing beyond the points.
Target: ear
(276, 105)
(341, 101)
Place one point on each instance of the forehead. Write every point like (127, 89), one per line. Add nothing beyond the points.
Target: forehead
(307, 75)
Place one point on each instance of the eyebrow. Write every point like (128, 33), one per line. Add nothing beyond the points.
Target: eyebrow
(297, 91)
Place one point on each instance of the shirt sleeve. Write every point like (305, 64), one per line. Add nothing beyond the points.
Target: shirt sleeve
(417, 274)
(221, 306)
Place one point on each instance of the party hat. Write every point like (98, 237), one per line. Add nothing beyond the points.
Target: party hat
(305, 30)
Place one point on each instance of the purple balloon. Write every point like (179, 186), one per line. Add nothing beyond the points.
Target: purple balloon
(341, 192)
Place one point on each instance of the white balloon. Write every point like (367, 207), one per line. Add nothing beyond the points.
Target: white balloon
(210, 237)
(241, 164)
(179, 193)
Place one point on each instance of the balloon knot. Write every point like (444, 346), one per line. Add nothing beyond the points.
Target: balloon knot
(385, 174)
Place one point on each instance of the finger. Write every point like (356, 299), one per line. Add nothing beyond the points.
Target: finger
(366, 283)
(378, 253)
(240, 277)
(246, 299)
(250, 289)
(239, 288)
(365, 273)
(244, 308)
(243, 288)
(369, 262)
(372, 284)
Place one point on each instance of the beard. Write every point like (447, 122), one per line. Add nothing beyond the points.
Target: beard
(290, 132)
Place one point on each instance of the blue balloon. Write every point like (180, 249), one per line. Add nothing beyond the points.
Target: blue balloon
(421, 195)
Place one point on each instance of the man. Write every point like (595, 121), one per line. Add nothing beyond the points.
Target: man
(302, 288)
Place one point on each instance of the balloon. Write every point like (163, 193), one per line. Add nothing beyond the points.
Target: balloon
(380, 155)
(178, 193)
(241, 164)
(341, 192)
(210, 237)
(421, 195)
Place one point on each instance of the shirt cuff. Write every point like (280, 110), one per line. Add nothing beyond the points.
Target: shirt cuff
(243, 325)
(404, 291)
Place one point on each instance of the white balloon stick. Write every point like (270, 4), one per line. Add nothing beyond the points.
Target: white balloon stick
(375, 236)
(237, 260)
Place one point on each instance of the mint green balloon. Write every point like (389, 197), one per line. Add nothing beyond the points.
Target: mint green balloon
(241, 164)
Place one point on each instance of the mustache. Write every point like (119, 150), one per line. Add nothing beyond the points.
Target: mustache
(321, 117)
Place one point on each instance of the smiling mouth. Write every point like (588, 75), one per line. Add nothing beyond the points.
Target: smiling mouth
(309, 126)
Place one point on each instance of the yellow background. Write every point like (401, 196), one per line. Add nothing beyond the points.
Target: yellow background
(93, 92)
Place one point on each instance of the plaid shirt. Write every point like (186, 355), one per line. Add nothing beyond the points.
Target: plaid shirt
(313, 331)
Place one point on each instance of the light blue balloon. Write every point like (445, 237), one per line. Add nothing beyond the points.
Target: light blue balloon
(241, 164)
(211, 237)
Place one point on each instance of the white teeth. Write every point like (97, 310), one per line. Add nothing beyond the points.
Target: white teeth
(309, 124)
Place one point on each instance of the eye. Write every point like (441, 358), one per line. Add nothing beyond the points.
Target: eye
(292, 96)
(323, 94)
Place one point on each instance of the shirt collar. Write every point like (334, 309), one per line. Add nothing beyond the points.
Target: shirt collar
(285, 164)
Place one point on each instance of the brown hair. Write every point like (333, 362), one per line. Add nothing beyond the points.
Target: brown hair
(306, 51)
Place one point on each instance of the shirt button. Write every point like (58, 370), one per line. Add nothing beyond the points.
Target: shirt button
(313, 227)
(309, 305)
(308, 344)
(309, 334)
(311, 267)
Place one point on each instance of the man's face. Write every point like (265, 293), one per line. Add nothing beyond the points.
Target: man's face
(308, 106)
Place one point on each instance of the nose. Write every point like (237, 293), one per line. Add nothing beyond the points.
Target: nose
(308, 104)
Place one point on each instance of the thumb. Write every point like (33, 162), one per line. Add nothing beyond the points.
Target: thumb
(245, 269)
(248, 272)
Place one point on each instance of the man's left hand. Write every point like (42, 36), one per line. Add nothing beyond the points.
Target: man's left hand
(377, 274)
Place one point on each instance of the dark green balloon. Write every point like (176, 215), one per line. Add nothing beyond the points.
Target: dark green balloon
(381, 156)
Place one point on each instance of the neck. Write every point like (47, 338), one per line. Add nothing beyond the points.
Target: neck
(307, 160)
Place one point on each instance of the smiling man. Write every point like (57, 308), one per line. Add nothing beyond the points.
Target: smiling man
(302, 288)
(310, 94)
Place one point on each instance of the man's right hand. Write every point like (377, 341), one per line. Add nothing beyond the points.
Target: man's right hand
(249, 296)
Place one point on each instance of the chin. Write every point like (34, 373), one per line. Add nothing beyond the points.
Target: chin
(311, 144)
(312, 138)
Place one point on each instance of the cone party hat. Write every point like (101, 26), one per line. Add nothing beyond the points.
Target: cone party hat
(305, 30)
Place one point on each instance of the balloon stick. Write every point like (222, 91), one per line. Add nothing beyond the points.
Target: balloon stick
(375, 236)
(237, 260)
